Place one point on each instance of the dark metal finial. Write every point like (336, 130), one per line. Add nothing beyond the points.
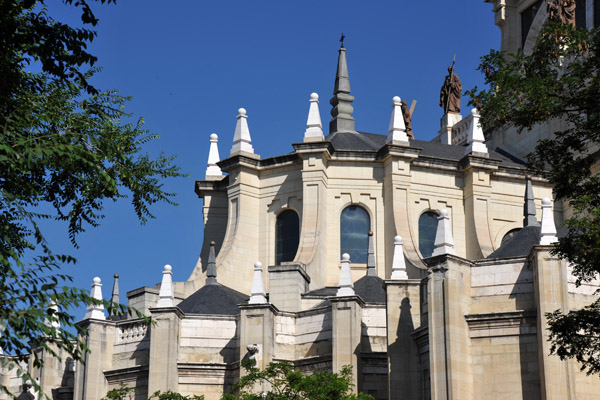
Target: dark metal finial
(342, 39)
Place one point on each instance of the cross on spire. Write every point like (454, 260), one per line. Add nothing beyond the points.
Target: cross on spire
(342, 39)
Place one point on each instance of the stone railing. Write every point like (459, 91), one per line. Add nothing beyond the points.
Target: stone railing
(131, 331)
(460, 131)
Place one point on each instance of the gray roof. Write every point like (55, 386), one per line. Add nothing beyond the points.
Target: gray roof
(520, 244)
(370, 289)
(374, 142)
(213, 299)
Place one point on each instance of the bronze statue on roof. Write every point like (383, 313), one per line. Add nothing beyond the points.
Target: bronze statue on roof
(450, 92)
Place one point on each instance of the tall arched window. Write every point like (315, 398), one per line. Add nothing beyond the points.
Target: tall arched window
(355, 225)
(287, 236)
(428, 222)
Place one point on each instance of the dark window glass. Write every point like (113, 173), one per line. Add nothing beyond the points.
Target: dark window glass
(287, 236)
(596, 13)
(580, 16)
(355, 224)
(509, 235)
(428, 223)
(527, 17)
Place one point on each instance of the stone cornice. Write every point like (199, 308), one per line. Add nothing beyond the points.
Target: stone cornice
(203, 187)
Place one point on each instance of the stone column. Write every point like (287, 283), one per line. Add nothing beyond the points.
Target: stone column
(346, 318)
(449, 292)
(257, 327)
(403, 314)
(550, 288)
(90, 383)
(163, 374)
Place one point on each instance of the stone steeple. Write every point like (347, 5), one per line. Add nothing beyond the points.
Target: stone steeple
(342, 101)
(211, 267)
(529, 209)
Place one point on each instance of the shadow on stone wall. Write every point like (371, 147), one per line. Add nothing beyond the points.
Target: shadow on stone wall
(404, 366)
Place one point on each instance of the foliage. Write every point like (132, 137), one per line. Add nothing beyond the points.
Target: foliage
(124, 392)
(558, 83)
(281, 381)
(64, 151)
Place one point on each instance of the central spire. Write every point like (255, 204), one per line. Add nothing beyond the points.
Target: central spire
(342, 101)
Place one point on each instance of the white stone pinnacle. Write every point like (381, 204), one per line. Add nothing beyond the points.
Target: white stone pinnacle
(314, 129)
(55, 323)
(397, 130)
(212, 169)
(95, 311)
(345, 284)
(165, 296)
(241, 138)
(398, 263)
(258, 294)
(475, 140)
(548, 230)
(444, 244)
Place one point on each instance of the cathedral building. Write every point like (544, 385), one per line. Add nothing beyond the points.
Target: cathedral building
(424, 265)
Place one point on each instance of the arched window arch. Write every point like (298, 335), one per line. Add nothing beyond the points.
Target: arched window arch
(287, 236)
(355, 225)
(509, 235)
(428, 222)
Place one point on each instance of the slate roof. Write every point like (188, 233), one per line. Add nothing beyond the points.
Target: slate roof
(373, 142)
(520, 244)
(213, 299)
(370, 289)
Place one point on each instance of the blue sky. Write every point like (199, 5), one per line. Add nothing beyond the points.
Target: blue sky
(189, 65)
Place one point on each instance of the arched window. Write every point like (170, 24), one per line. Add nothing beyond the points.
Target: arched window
(428, 222)
(509, 235)
(287, 236)
(355, 225)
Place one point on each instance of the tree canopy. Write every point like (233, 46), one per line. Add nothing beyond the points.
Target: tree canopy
(559, 83)
(65, 149)
(281, 381)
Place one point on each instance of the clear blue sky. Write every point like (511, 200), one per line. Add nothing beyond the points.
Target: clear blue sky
(189, 65)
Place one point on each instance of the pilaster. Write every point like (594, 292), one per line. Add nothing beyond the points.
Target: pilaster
(163, 374)
(449, 292)
(403, 316)
(90, 383)
(346, 318)
(257, 327)
(550, 289)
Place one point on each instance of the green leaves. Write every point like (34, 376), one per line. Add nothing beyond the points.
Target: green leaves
(558, 85)
(284, 382)
(63, 149)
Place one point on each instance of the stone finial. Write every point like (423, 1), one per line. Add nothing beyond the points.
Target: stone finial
(165, 296)
(211, 266)
(314, 131)
(475, 140)
(529, 208)
(371, 257)
(397, 130)
(95, 311)
(398, 263)
(54, 323)
(548, 230)
(241, 138)
(345, 284)
(342, 101)
(258, 294)
(444, 244)
(212, 169)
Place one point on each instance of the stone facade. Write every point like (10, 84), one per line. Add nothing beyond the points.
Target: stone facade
(467, 323)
